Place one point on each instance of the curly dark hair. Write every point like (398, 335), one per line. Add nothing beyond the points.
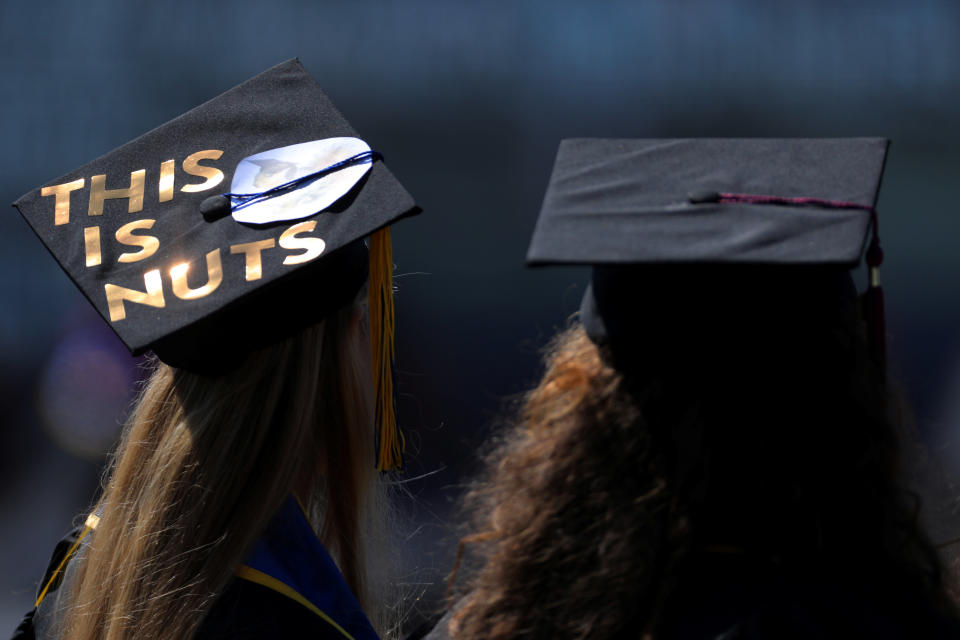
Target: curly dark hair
(776, 441)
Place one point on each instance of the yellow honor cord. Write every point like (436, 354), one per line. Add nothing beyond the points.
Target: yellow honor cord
(92, 522)
(390, 442)
(252, 575)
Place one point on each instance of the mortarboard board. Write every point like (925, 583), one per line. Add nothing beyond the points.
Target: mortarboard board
(231, 227)
(623, 205)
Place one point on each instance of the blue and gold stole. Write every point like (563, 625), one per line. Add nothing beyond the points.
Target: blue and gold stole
(289, 559)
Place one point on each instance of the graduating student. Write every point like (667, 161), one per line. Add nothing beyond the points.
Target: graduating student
(714, 450)
(243, 500)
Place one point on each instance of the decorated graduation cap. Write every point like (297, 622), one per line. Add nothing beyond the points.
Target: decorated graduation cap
(232, 227)
(795, 205)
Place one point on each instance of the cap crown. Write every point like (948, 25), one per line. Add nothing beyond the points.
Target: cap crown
(128, 229)
(642, 201)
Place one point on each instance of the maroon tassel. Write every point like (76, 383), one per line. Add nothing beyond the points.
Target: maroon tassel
(876, 322)
(873, 301)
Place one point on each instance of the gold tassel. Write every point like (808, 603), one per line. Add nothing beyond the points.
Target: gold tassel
(390, 442)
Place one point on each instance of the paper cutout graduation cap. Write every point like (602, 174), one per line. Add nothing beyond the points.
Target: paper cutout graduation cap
(202, 278)
(621, 205)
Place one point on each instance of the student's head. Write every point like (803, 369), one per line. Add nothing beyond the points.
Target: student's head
(769, 430)
(205, 461)
(270, 374)
(611, 481)
(717, 392)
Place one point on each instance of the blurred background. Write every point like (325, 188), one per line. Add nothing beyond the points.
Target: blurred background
(467, 100)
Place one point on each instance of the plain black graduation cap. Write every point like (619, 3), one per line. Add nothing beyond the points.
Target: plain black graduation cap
(622, 203)
(203, 278)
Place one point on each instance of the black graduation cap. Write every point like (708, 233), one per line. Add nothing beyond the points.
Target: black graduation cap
(622, 205)
(231, 227)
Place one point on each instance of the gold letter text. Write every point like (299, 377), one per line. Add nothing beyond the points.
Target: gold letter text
(192, 166)
(153, 297)
(99, 193)
(148, 244)
(312, 247)
(252, 252)
(167, 168)
(61, 208)
(91, 245)
(178, 275)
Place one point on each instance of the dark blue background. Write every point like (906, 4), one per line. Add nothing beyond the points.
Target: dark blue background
(468, 102)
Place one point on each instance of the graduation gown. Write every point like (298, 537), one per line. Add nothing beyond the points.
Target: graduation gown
(288, 586)
(728, 597)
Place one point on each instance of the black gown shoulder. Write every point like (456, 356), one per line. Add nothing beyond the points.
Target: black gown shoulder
(735, 598)
(244, 611)
(247, 610)
(26, 629)
(288, 587)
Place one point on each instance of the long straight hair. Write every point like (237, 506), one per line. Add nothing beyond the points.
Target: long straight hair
(203, 465)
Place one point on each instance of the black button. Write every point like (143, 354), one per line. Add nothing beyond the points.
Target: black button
(215, 207)
(701, 197)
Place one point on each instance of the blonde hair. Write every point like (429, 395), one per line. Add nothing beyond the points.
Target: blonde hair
(203, 465)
